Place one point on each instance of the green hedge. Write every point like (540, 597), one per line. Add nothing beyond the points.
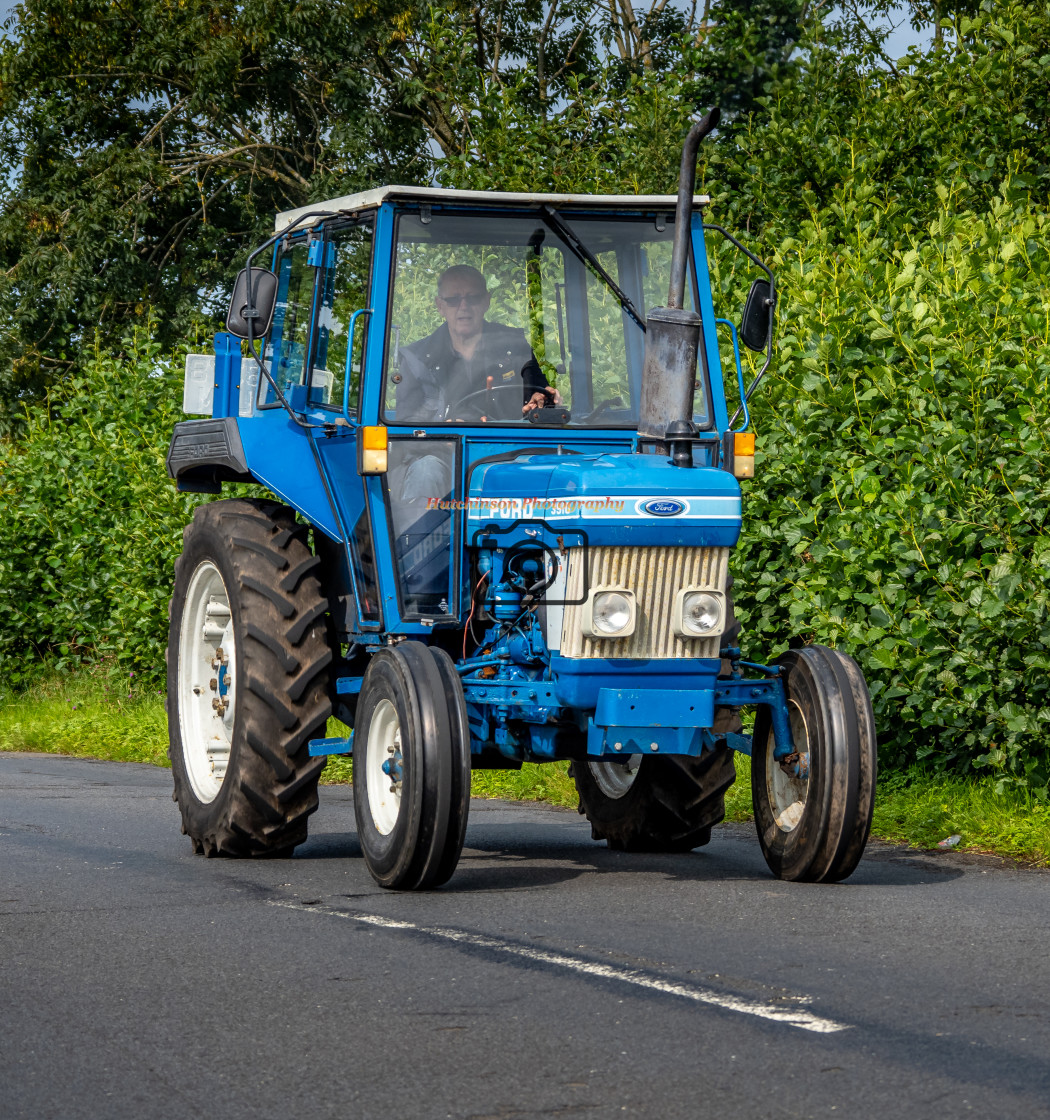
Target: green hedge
(90, 524)
(900, 504)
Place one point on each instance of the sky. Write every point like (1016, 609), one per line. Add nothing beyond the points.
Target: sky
(901, 38)
(897, 44)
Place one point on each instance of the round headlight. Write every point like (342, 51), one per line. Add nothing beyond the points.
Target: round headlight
(612, 612)
(701, 613)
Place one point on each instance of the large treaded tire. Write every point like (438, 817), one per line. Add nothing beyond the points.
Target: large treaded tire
(814, 830)
(674, 800)
(280, 689)
(670, 807)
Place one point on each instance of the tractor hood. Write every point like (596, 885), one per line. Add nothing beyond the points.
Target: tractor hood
(615, 499)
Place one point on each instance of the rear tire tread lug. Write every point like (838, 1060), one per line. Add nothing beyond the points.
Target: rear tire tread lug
(285, 608)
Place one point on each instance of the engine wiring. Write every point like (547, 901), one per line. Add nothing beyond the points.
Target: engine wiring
(468, 629)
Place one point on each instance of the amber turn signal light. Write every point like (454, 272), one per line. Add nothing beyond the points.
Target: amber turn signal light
(744, 454)
(372, 450)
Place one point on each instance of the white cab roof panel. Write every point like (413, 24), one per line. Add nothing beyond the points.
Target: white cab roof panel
(370, 199)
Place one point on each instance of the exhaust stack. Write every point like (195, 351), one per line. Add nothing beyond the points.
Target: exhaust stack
(672, 334)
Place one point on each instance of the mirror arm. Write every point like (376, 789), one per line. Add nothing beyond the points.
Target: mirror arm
(743, 249)
(758, 376)
(771, 303)
(739, 377)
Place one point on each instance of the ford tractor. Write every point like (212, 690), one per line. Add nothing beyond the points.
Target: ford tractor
(504, 503)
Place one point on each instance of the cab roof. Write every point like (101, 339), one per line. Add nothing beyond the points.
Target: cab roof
(366, 200)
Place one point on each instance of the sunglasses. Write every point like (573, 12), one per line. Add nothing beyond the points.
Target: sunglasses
(471, 299)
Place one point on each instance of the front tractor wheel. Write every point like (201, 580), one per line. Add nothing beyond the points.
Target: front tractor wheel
(813, 810)
(411, 767)
(248, 662)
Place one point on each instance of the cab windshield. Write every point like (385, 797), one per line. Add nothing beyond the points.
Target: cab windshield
(508, 319)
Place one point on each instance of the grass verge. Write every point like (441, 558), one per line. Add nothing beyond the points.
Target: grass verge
(102, 715)
(93, 714)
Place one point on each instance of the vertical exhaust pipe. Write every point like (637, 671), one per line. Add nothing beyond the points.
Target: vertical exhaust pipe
(672, 334)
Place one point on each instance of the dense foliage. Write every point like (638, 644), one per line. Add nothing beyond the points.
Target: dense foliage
(89, 522)
(899, 505)
(145, 144)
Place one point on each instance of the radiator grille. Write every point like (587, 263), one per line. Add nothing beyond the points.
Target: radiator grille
(655, 575)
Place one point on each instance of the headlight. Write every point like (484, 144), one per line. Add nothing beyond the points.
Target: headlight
(698, 614)
(609, 613)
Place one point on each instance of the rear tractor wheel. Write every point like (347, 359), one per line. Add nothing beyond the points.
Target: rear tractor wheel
(649, 804)
(813, 810)
(248, 666)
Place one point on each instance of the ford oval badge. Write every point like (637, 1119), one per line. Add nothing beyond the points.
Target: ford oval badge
(663, 507)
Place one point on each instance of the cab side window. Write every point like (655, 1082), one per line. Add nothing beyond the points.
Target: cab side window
(343, 289)
(289, 340)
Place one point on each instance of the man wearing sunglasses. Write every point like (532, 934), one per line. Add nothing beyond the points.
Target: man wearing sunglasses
(469, 368)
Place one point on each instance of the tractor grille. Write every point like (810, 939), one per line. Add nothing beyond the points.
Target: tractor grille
(655, 575)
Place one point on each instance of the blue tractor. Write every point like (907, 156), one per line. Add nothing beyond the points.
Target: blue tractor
(508, 497)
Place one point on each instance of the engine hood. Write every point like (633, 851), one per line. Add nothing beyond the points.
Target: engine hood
(614, 498)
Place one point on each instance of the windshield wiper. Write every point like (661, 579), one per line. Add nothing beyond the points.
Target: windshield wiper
(562, 228)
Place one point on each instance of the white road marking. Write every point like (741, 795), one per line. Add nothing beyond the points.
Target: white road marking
(790, 1016)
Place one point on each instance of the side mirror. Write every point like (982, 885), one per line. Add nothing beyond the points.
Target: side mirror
(757, 320)
(252, 304)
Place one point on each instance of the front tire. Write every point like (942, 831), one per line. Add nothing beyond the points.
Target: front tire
(248, 666)
(813, 828)
(411, 767)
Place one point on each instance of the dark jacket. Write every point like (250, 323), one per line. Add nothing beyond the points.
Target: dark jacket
(435, 378)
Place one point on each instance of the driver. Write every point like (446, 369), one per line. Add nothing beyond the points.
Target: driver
(468, 357)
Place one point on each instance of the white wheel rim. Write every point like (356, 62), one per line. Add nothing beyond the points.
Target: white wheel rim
(614, 779)
(383, 749)
(207, 681)
(787, 792)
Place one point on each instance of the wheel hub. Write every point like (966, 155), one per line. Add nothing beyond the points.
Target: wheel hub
(392, 768)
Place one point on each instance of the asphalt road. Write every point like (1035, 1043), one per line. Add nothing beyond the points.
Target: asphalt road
(550, 978)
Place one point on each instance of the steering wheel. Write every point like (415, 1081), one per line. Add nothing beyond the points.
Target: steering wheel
(478, 406)
(550, 414)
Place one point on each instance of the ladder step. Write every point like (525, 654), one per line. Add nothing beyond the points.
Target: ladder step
(318, 747)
